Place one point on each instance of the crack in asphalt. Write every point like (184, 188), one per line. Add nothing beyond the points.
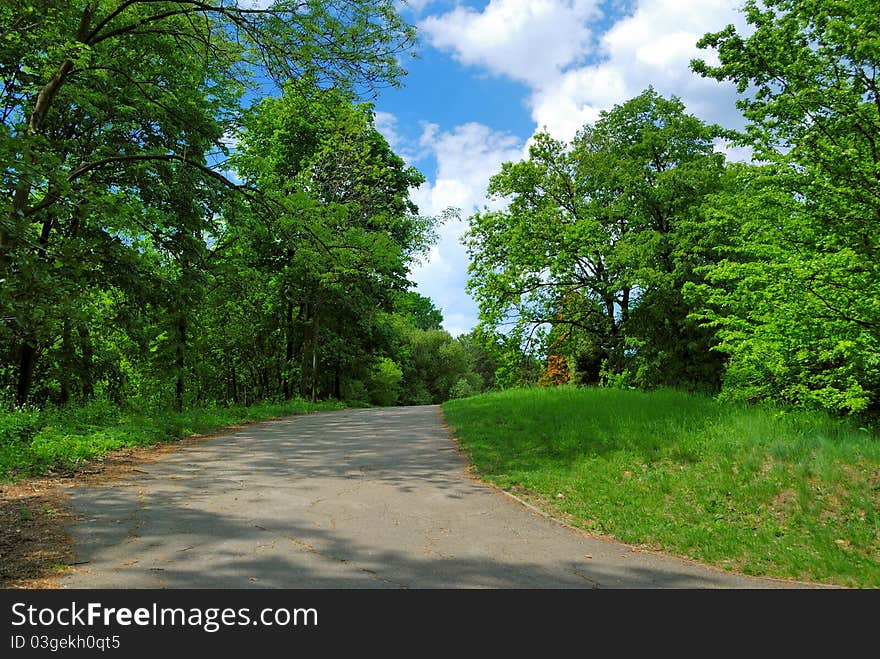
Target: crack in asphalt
(332, 557)
(595, 584)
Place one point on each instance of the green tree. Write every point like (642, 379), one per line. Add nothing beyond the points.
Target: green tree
(484, 355)
(384, 387)
(102, 98)
(417, 309)
(797, 300)
(432, 363)
(593, 240)
(340, 233)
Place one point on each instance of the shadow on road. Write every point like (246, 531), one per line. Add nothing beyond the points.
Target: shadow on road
(353, 499)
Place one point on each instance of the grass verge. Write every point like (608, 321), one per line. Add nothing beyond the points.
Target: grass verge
(43, 452)
(760, 491)
(35, 442)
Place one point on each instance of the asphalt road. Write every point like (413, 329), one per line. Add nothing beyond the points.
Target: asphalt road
(367, 498)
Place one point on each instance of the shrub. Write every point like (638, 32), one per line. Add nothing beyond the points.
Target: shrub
(463, 389)
(385, 382)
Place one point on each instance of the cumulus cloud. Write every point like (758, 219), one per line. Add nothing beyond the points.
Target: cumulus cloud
(467, 156)
(574, 71)
(652, 46)
(526, 41)
(573, 76)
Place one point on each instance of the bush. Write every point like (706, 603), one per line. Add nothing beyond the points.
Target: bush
(19, 426)
(416, 394)
(462, 389)
(355, 393)
(385, 382)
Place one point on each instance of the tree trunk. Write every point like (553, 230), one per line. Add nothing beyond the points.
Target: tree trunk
(22, 196)
(28, 352)
(305, 315)
(87, 368)
(26, 361)
(67, 359)
(181, 346)
(288, 352)
(234, 377)
(315, 357)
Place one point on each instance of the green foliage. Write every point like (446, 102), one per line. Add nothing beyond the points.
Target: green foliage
(615, 380)
(418, 310)
(385, 381)
(20, 426)
(65, 438)
(484, 352)
(315, 274)
(120, 231)
(516, 367)
(355, 394)
(593, 244)
(434, 363)
(755, 489)
(466, 386)
(796, 298)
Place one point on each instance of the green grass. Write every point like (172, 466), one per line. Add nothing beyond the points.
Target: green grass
(754, 490)
(34, 441)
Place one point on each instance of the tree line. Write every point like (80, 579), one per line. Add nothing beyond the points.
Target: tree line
(197, 208)
(635, 254)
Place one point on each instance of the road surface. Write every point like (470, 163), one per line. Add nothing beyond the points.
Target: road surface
(364, 498)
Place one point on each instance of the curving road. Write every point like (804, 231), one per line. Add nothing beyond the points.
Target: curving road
(367, 498)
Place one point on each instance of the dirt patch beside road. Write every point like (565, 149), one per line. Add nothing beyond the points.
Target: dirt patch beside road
(35, 513)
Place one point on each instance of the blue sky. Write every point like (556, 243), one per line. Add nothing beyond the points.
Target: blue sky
(491, 74)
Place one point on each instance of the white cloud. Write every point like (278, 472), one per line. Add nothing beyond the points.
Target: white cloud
(652, 46)
(573, 76)
(521, 39)
(734, 153)
(467, 156)
(386, 124)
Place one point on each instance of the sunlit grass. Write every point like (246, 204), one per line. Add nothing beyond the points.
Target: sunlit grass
(37, 441)
(755, 490)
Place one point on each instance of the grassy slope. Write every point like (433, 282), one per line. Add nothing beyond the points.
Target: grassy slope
(33, 442)
(792, 495)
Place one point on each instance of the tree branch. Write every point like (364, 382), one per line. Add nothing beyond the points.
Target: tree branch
(53, 195)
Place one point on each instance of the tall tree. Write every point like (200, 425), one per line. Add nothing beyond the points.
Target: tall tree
(341, 233)
(99, 96)
(797, 302)
(592, 241)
